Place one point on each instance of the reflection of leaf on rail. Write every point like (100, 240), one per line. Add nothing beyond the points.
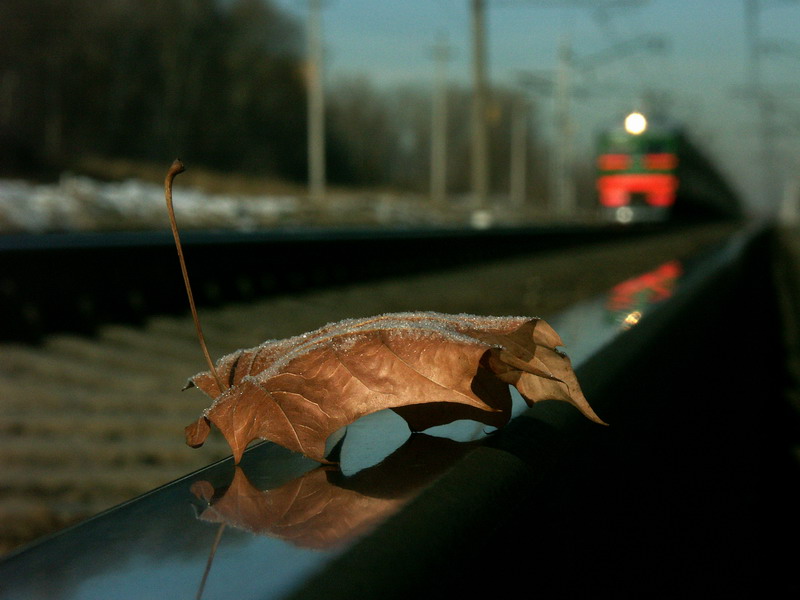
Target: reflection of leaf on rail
(323, 508)
(430, 368)
(308, 511)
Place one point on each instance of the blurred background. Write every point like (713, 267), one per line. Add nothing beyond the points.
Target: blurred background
(358, 110)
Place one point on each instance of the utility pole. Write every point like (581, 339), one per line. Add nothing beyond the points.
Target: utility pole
(519, 147)
(316, 104)
(480, 159)
(564, 187)
(438, 183)
(760, 97)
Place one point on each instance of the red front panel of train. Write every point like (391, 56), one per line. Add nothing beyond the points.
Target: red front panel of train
(650, 176)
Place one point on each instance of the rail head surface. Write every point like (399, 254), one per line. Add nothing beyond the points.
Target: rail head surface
(543, 500)
(129, 276)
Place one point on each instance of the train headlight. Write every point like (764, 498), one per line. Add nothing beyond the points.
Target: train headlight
(635, 123)
(624, 214)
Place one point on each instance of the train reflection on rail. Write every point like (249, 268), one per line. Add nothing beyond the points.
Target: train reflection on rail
(653, 172)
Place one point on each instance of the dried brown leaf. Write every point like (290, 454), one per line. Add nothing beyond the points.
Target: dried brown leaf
(430, 368)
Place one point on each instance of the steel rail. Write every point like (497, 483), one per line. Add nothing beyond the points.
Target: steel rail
(78, 281)
(667, 498)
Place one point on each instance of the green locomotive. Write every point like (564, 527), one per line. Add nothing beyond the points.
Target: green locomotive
(649, 172)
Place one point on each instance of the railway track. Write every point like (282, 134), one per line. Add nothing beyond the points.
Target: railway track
(89, 421)
(78, 281)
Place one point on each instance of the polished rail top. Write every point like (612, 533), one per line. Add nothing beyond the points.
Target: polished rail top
(263, 528)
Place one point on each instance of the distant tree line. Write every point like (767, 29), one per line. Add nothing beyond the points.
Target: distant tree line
(385, 136)
(219, 83)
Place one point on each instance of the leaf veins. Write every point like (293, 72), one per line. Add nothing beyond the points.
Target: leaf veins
(430, 368)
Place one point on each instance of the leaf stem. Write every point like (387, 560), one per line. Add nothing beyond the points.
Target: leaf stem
(210, 559)
(176, 168)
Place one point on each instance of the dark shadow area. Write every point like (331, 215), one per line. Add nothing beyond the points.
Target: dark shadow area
(690, 492)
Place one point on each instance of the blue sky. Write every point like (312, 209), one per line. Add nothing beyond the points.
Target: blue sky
(702, 71)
